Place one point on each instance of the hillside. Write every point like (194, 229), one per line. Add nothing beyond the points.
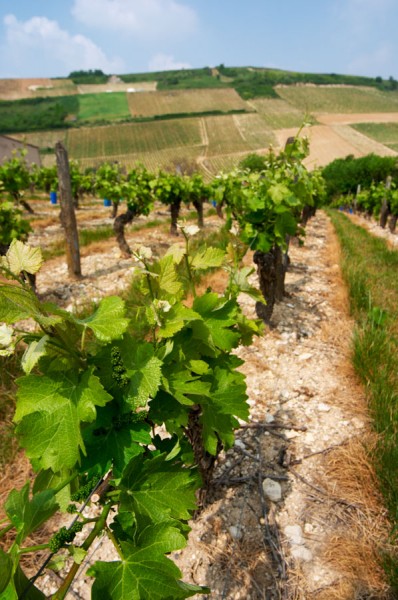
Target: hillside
(212, 117)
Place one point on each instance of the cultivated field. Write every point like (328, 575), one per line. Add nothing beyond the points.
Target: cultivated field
(16, 89)
(97, 107)
(254, 131)
(90, 142)
(328, 143)
(338, 99)
(100, 88)
(384, 133)
(185, 101)
(278, 113)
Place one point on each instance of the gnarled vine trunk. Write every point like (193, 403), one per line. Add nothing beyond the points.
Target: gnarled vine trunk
(203, 459)
(174, 213)
(271, 271)
(118, 227)
(392, 223)
(198, 204)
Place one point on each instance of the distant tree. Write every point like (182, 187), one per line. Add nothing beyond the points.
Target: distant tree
(253, 162)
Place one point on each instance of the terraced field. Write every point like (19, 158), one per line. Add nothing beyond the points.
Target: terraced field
(15, 89)
(338, 99)
(384, 133)
(132, 138)
(278, 113)
(100, 88)
(97, 107)
(185, 101)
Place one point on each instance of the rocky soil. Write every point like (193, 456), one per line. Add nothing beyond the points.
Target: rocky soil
(293, 512)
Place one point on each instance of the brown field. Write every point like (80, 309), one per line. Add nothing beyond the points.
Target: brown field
(350, 119)
(15, 89)
(328, 143)
(139, 86)
(185, 101)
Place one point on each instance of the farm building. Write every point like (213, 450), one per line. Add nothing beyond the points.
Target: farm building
(8, 145)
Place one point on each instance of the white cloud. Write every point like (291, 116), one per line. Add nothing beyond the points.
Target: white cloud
(166, 62)
(42, 42)
(142, 18)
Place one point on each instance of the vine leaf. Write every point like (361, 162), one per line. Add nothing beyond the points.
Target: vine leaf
(145, 573)
(28, 514)
(33, 353)
(158, 489)
(21, 257)
(49, 414)
(107, 322)
(208, 258)
(5, 570)
(143, 370)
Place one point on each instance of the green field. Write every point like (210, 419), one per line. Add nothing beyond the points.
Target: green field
(385, 133)
(323, 99)
(103, 107)
(277, 113)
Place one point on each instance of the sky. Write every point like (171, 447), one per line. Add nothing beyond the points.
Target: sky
(51, 38)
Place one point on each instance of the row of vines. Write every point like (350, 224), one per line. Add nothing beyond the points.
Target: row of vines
(126, 410)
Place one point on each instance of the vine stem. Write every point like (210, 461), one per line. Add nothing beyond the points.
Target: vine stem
(33, 548)
(6, 529)
(99, 526)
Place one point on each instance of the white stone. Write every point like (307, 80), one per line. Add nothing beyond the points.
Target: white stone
(272, 489)
(301, 553)
(236, 532)
(240, 444)
(269, 418)
(322, 407)
(305, 356)
(294, 534)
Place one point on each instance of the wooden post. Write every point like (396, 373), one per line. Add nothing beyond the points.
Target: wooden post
(384, 207)
(68, 218)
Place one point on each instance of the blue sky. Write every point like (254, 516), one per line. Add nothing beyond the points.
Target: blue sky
(49, 38)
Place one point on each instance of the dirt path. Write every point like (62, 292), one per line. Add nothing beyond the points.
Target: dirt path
(292, 513)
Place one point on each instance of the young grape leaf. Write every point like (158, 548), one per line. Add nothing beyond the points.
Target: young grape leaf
(144, 573)
(159, 489)
(21, 257)
(143, 370)
(107, 322)
(28, 514)
(208, 258)
(17, 303)
(33, 353)
(49, 415)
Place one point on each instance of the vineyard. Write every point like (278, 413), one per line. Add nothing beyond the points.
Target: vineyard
(185, 101)
(207, 394)
(198, 339)
(329, 99)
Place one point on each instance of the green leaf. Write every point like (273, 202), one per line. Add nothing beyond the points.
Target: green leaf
(50, 411)
(208, 258)
(176, 319)
(145, 573)
(17, 303)
(177, 252)
(168, 279)
(33, 353)
(144, 371)
(107, 322)
(21, 257)
(158, 489)
(112, 443)
(28, 514)
(5, 570)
